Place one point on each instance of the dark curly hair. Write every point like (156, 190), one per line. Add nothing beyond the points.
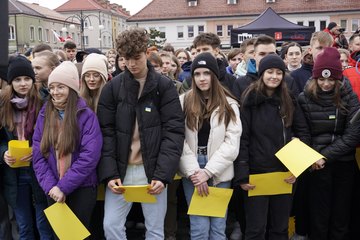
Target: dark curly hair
(131, 42)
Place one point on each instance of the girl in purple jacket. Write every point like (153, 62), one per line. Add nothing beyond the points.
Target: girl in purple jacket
(67, 145)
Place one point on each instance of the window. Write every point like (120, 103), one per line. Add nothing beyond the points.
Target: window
(86, 23)
(354, 25)
(231, 1)
(201, 29)
(311, 23)
(180, 32)
(343, 24)
(104, 40)
(109, 41)
(12, 32)
(32, 33)
(73, 36)
(270, 1)
(192, 3)
(301, 23)
(54, 37)
(190, 31)
(47, 35)
(40, 34)
(322, 25)
(219, 30)
(162, 32)
(86, 40)
(229, 28)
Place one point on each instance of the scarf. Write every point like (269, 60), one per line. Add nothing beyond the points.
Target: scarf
(63, 162)
(24, 117)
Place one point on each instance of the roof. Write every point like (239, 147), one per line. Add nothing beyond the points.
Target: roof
(269, 19)
(45, 11)
(92, 5)
(16, 7)
(179, 9)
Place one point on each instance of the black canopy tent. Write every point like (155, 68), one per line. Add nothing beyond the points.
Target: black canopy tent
(271, 24)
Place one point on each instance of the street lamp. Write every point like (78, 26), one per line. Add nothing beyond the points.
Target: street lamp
(82, 18)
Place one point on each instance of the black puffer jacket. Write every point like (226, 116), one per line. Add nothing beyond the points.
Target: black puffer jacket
(161, 126)
(264, 133)
(331, 132)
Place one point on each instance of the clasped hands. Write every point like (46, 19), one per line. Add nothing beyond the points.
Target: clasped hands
(199, 179)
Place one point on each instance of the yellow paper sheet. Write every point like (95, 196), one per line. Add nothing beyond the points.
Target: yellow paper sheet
(357, 156)
(269, 184)
(297, 156)
(64, 222)
(19, 149)
(138, 193)
(177, 177)
(214, 205)
(100, 193)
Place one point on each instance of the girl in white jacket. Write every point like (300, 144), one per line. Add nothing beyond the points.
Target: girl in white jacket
(212, 141)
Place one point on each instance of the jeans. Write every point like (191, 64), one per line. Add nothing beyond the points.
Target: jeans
(201, 227)
(24, 210)
(116, 209)
(5, 231)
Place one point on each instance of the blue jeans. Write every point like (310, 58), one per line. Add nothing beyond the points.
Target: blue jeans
(116, 209)
(201, 227)
(24, 210)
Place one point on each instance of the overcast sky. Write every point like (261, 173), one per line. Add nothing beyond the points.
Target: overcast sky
(131, 5)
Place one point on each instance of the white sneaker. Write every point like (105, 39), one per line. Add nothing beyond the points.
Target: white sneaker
(298, 237)
(236, 233)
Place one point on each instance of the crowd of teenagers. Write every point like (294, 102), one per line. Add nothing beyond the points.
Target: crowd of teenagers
(139, 115)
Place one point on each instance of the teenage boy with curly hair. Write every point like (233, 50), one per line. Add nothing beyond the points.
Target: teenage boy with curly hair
(143, 129)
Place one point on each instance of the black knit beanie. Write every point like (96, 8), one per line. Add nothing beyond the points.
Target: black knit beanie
(19, 66)
(271, 61)
(331, 25)
(205, 60)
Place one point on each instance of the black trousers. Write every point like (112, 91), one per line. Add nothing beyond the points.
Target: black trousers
(267, 213)
(300, 204)
(330, 194)
(5, 230)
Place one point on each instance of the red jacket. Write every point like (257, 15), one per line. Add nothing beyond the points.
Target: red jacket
(354, 78)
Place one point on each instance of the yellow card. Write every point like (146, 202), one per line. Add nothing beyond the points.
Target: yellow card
(297, 156)
(357, 156)
(177, 177)
(214, 205)
(138, 193)
(64, 222)
(269, 184)
(100, 193)
(19, 149)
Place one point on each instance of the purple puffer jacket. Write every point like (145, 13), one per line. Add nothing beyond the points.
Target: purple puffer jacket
(82, 172)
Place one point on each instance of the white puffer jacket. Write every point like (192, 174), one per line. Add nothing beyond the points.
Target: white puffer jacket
(222, 148)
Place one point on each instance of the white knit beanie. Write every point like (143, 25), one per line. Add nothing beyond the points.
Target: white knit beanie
(66, 73)
(97, 63)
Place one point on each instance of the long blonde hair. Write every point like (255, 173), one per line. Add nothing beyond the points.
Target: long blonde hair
(91, 97)
(197, 109)
(68, 140)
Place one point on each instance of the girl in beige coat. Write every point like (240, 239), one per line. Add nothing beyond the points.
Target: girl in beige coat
(212, 140)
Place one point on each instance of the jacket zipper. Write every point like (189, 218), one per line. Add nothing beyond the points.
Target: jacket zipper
(283, 125)
(336, 119)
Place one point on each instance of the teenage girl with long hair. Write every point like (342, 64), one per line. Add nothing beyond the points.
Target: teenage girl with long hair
(212, 140)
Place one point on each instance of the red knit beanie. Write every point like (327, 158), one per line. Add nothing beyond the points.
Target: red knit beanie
(327, 64)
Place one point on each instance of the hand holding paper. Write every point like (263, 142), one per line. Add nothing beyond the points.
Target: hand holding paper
(65, 223)
(21, 152)
(297, 156)
(214, 205)
(137, 193)
(273, 183)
